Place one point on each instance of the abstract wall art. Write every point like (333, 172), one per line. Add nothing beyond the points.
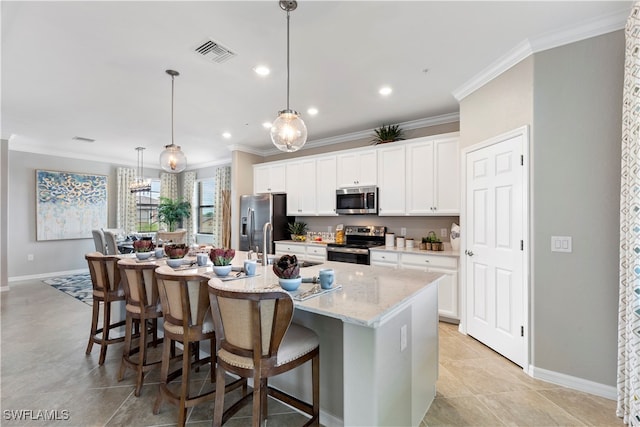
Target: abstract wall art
(69, 205)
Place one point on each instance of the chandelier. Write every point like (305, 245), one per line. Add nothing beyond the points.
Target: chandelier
(288, 132)
(172, 159)
(140, 184)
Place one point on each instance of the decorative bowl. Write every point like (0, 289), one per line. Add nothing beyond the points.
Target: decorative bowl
(290, 284)
(222, 270)
(143, 255)
(175, 262)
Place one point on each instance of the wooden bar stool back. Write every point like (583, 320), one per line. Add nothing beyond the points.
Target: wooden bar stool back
(143, 309)
(187, 319)
(256, 339)
(105, 279)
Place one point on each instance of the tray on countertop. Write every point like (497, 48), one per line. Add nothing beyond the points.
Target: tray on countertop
(299, 294)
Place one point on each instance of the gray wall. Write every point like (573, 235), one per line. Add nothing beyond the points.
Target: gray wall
(4, 178)
(571, 96)
(577, 126)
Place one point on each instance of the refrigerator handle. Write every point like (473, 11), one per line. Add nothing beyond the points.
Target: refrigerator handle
(251, 219)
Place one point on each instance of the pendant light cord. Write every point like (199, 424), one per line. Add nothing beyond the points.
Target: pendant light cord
(288, 60)
(172, 82)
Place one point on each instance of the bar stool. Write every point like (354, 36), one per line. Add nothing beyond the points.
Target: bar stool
(256, 339)
(187, 320)
(143, 311)
(105, 279)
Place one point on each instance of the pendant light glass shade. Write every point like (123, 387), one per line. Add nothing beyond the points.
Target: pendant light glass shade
(288, 131)
(140, 184)
(172, 159)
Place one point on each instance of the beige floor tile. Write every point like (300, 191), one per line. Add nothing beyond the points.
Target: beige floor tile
(591, 410)
(460, 411)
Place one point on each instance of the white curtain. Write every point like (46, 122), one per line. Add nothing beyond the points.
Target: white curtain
(629, 304)
(222, 215)
(168, 189)
(188, 191)
(126, 204)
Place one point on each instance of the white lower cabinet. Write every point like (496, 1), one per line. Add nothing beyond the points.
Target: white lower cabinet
(448, 287)
(383, 259)
(309, 252)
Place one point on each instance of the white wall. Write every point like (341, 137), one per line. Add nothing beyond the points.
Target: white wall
(4, 175)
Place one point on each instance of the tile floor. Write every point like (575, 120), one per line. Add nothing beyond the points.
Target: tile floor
(43, 367)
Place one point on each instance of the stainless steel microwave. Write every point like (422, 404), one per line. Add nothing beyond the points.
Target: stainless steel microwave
(357, 201)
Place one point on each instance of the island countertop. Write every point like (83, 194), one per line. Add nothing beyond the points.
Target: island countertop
(366, 295)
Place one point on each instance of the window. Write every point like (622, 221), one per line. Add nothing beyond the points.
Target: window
(147, 206)
(205, 194)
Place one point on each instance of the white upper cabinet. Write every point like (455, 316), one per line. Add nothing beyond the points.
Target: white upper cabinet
(391, 180)
(326, 185)
(356, 169)
(269, 178)
(301, 187)
(433, 183)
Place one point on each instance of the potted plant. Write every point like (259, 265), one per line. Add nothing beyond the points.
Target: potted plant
(221, 259)
(171, 212)
(387, 133)
(298, 231)
(288, 271)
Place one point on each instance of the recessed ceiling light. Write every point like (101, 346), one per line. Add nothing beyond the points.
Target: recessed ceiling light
(312, 111)
(262, 70)
(267, 125)
(226, 135)
(385, 90)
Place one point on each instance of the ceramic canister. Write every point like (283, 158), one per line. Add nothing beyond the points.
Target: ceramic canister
(400, 242)
(409, 243)
(389, 239)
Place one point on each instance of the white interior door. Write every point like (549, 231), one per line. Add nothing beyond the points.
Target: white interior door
(496, 296)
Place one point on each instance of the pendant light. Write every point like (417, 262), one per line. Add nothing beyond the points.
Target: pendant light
(172, 159)
(288, 132)
(140, 185)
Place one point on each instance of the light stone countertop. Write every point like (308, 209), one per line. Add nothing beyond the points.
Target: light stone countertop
(368, 296)
(446, 252)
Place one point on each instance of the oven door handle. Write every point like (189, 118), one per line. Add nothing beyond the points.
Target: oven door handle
(348, 250)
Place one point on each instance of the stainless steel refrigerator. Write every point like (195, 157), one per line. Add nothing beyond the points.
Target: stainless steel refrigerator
(255, 212)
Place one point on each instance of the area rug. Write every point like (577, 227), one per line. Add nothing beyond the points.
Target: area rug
(76, 285)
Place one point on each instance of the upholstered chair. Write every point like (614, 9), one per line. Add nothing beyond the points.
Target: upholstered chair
(143, 310)
(178, 236)
(107, 289)
(98, 240)
(256, 339)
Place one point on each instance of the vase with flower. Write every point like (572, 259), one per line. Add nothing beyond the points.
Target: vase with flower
(143, 249)
(221, 259)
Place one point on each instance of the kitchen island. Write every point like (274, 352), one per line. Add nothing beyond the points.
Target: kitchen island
(378, 343)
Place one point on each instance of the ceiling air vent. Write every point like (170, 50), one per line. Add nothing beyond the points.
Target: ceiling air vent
(214, 51)
(83, 139)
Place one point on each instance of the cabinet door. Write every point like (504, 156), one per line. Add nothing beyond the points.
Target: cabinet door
(357, 169)
(269, 179)
(384, 259)
(301, 187)
(447, 177)
(420, 178)
(391, 180)
(289, 249)
(316, 252)
(326, 185)
(447, 293)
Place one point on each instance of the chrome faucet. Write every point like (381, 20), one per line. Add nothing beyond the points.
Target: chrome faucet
(250, 254)
(267, 228)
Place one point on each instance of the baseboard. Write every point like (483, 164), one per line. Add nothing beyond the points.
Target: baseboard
(47, 275)
(580, 384)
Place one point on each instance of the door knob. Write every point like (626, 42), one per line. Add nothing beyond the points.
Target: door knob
(469, 253)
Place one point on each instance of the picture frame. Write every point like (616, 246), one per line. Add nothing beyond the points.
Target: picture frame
(69, 204)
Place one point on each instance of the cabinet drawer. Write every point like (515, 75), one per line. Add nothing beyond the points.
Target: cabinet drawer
(430, 260)
(317, 251)
(283, 248)
(384, 256)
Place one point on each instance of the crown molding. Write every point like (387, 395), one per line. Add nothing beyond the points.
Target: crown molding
(245, 149)
(592, 28)
(36, 149)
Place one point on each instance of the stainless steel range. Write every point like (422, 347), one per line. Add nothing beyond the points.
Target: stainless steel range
(358, 240)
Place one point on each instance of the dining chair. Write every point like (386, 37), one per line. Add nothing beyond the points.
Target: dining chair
(178, 236)
(112, 243)
(143, 310)
(105, 279)
(187, 320)
(98, 240)
(256, 339)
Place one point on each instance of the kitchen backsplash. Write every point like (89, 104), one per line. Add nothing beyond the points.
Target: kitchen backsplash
(416, 227)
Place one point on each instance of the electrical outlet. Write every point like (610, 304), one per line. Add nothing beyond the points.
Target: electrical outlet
(403, 337)
(443, 232)
(30, 257)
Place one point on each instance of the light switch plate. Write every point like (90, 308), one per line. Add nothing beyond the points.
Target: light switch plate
(561, 244)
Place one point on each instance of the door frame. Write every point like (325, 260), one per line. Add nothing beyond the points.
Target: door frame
(527, 302)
